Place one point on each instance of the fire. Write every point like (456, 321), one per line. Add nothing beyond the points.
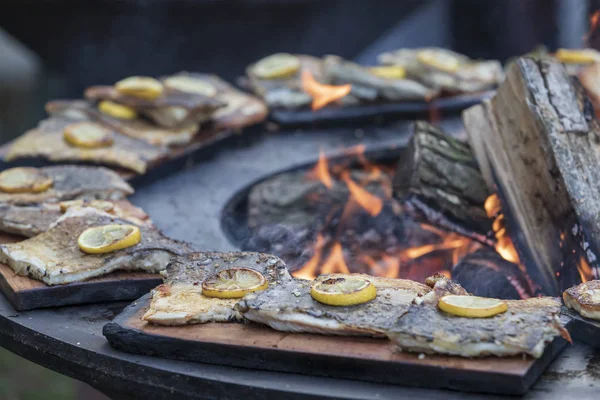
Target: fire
(369, 202)
(321, 171)
(594, 22)
(585, 271)
(322, 94)
(335, 263)
(504, 245)
(309, 270)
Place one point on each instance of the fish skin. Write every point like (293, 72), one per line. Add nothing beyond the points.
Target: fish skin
(47, 142)
(339, 71)
(137, 128)
(31, 220)
(54, 256)
(73, 181)
(289, 307)
(287, 92)
(525, 328)
(584, 298)
(471, 76)
(179, 301)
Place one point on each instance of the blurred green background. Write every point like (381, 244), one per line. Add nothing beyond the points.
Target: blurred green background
(23, 380)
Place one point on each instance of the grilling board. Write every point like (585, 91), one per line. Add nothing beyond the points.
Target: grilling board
(583, 329)
(367, 111)
(260, 347)
(26, 294)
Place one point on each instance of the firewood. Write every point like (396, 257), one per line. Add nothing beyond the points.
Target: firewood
(441, 173)
(539, 137)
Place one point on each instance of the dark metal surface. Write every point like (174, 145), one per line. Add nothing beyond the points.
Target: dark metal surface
(187, 206)
(371, 111)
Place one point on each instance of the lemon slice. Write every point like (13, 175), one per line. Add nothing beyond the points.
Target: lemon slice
(107, 238)
(348, 291)
(577, 56)
(280, 65)
(389, 71)
(24, 179)
(143, 87)
(234, 283)
(472, 306)
(116, 110)
(88, 135)
(190, 85)
(439, 60)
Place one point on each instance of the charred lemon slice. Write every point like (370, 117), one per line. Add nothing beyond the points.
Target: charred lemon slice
(439, 60)
(107, 238)
(143, 87)
(389, 71)
(88, 135)
(190, 85)
(472, 306)
(24, 179)
(234, 283)
(348, 291)
(280, 65)
(577, 56)
(116, 110)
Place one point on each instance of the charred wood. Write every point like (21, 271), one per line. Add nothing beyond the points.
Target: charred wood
(441, 173)
(540, 140)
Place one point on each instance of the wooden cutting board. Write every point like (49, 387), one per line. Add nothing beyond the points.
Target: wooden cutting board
(260, 347)
(583, 329)
(25, 293)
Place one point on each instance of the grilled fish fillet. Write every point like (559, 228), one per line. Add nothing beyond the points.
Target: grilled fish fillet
(31, 220)
(179, 301)
(71, 182)
(137, 128)
(55, 258)
(525, 328)
(584, 298)
(287, 92)
(47, 142)
(289, 307)
(470, 76)
(339, 71)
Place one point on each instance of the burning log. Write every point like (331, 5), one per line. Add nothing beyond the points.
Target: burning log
(538, 140)
(440, 174)
(486, 273)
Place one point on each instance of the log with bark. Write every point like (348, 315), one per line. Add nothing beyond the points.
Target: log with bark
(538, 141)
(439, 176)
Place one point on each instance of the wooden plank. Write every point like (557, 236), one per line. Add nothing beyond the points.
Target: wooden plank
(368, 359)
(25, 293)
(370, 111)
(583, 329)
(541, 143)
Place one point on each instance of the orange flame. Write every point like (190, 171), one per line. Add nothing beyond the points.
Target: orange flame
(321, 171)
(335, 262)
(322, 94)
(309, 270)
(369, 202)
(585, 271)
(504, 245)
(594, 22)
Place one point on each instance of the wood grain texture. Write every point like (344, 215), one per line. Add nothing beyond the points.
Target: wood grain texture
(25, 293)
(539, 138)
(368, 359)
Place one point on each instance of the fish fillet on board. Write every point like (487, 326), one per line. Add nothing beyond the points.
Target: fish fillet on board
(54, 256)
(525, 328)
(289, 307)
(584, 298)
(179, 301)
(74, 182)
